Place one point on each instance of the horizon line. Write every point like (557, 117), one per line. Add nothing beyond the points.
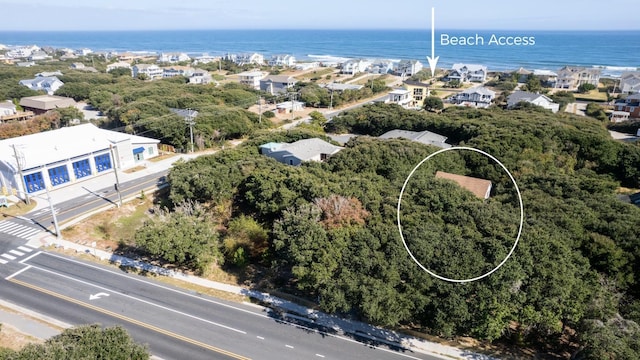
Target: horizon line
(315, 29)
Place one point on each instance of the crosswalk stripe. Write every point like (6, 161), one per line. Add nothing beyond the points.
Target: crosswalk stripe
(7, 256)
(16, 252)
(25, 249)
(8, 225)
(2, 261)
(24, 232)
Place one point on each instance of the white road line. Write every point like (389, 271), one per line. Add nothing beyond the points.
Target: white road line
(18, 272)
(30, 257)
(318, 355)
(289, 346)
(25, 249)
(141, 300)
(159, 286)
(7, 256)
(7, 225)
(260, 337)
(16, 252)
(26, 232)
(2, 261)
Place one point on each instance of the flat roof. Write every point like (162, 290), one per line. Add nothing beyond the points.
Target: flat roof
(66, 143)
(479, 187)
(47, 102)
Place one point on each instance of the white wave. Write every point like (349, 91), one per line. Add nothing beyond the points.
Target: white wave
(616, 68)
(328, 58)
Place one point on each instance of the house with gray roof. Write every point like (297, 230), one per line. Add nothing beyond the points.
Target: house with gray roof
(571, 77)
(423, 137)
(478, 97)
(630, 82)
(536, 99)
(296, 153)
(468, 72)
(277, 84)
(49, 84)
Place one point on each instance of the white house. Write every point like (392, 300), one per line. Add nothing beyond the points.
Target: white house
(407, 67)
(630, 82)
(54, 158)
(200, 76)
(83, 52)
(7, 108)
(468, 72)
(49, 84)
(119, 65)
(307, 65)
(571, 77)
(289, 106)
(536, 99)
(251, 78)
(276, 84)
(173, 57)
(282, 60)
(478, 97)
(352, 67)
(249, 58)
(38, 55)
(205, 59)
(300, 151)
(401, 97)
(172, 71)
(381, 67)
(152, 71)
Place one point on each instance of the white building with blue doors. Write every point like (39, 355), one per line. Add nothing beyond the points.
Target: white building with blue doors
(61, 157)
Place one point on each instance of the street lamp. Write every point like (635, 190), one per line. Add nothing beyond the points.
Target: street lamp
(53, 213)
(21, 163)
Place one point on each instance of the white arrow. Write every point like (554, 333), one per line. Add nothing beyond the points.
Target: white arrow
(433, 59)
(97, 296)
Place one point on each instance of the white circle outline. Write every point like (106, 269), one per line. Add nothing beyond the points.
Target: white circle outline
(519, 229)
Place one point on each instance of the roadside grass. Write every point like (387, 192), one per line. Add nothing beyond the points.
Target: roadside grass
(162, 157)
(12, 338)
(17, 208)
(321, 74)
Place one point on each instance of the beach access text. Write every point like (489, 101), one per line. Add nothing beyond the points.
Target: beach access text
(478, 40)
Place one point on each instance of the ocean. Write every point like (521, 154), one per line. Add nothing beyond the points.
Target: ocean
(613, 51)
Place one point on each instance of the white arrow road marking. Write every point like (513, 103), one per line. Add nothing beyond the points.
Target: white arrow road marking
(97, 296)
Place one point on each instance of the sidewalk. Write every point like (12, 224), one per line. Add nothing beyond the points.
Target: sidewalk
(292, 312)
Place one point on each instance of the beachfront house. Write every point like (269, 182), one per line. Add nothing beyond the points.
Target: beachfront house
(468, 73)
(571, 77)
(619, 116)
(248, 58)
(288, 107)
(547, 78)
(401, 97)
(381, 67)
(151, 71)
(282, 60)
(38, 55)
(423, 137)
(630, 82)
(205, 59)
(478, 97)
(48, 84)
(631, 105)
(352, 67)
(173, 57)
(407, 67)
(481, 188)
(277, 84)
(251, 78)
(296, 153)
(532, 98)
(419, 92)
(307, 65)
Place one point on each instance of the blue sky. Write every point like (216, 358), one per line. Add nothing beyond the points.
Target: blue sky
(318, 14)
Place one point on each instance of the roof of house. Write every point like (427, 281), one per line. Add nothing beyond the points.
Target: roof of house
(399, 92)
(523, 71)
(66, 143)
(46, 102)
(38, 81)
(519, 96)
(539, 72)
(342, 87)
(470, 67)
(479, 187)
(425, 137)
(145, 66)
(252, 73)
(278, 78)
(479, 90)
(7, 105)
(308, 148)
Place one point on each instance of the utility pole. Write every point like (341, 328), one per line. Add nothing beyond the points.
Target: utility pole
(53, 215)
(292, 97)
(190, 121)
(20, 163)
(331, 101)
(260, 109)
(115, 171)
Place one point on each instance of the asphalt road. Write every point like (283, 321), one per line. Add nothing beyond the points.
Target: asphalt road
(176, 324)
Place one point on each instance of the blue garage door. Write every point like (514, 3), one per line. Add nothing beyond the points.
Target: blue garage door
(103, 162)
(81, 168)
(34, 182)
(59, 175)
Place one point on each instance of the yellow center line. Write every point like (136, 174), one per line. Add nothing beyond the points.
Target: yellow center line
(130, 320)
